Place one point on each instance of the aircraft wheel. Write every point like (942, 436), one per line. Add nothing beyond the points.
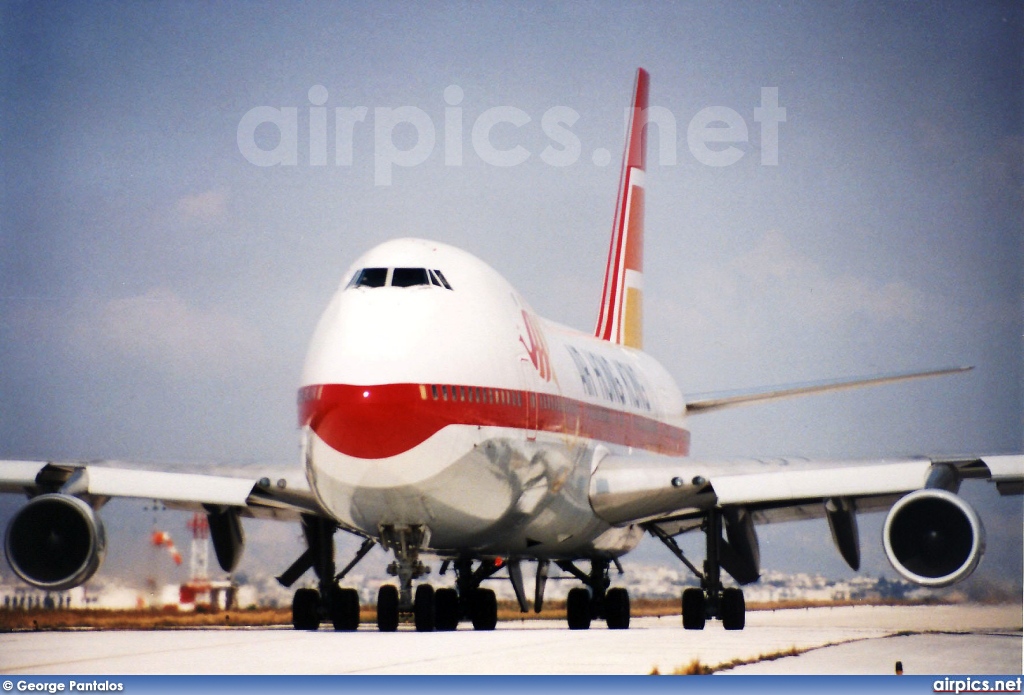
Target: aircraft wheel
(345, 610)
(446, 610)
(577, 609)
(733, 609)
(387, 608)
(423, 608)
(694, 609)
(484, 610)
(616, 609)
(306, 609)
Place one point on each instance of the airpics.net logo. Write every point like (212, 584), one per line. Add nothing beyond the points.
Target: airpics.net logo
(269, 136)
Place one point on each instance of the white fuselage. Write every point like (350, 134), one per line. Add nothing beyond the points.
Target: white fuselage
(457, 408)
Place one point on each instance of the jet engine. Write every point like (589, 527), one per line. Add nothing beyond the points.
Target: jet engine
(933, 538)
(55, 542)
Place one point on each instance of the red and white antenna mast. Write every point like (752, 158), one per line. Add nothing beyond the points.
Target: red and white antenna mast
(199, 558)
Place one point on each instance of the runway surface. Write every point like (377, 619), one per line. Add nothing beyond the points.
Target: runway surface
(988, 641)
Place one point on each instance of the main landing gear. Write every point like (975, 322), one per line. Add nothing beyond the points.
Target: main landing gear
(596, 600)
(329, 601)
(430, 609)
(711, 600)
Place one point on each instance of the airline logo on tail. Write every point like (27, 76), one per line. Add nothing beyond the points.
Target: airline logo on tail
(621, 317)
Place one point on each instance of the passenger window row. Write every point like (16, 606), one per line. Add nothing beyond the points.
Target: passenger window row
(475, 394)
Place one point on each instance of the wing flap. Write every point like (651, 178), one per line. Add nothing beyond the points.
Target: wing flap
(19, 476)
(786, 479)
(169, 487)
(1006, 469)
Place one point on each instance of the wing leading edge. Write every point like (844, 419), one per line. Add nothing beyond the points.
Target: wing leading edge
(707, 402)
(270, 494)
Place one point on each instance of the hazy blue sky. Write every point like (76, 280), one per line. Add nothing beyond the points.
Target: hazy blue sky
(157, 290)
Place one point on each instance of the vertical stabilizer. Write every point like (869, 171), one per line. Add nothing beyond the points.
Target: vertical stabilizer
(621, 317)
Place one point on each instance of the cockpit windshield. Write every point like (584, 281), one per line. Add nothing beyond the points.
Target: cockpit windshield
(399, 277)
(409, 277)
(370, 277)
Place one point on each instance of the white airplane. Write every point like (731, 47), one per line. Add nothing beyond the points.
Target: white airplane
(440, 416)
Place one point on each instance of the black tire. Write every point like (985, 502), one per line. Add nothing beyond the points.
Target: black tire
(387, 608)
(306, 609)
(616, 609)
(694, 609)
(345, 610)
(734, 609)
(423, 608)
(446, 610)
(577, 609)
(484, 610)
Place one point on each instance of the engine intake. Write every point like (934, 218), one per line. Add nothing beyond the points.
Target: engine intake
(55, 542)
(933, 538)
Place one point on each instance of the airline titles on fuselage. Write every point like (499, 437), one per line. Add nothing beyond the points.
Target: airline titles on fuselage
(609, 379)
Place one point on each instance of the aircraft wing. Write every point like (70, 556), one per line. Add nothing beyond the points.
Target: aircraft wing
(931, 536)
(263, 493)
(670, 491)
(707, 402)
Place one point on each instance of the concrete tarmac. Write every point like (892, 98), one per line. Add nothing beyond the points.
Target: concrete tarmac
(950, 640)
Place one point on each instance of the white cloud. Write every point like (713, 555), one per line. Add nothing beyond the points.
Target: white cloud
(773, 307)
(205, 206)
(775, 269)
(162, 328)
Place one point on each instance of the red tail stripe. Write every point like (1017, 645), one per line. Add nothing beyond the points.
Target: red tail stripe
(634, 155)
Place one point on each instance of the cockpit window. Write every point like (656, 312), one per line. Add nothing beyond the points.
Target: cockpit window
(370, 277)
(409, 277)
(398, 277)
(439, 280)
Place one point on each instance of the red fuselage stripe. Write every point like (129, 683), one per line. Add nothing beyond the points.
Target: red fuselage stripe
(380, 421)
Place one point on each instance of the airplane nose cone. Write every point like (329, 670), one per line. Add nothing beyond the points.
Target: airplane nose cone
(369, 422)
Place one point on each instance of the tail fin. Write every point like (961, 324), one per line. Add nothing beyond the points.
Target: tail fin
(621, 318)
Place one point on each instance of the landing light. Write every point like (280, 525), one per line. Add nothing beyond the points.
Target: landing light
(366, 394)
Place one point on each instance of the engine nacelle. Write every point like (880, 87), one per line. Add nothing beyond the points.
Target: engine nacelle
(933, 538)
(55, 542)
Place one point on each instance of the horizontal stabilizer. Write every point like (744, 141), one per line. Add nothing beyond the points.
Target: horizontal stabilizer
(706, 402)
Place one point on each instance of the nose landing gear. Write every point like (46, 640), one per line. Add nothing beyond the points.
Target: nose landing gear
(405, 542)
(440, 609)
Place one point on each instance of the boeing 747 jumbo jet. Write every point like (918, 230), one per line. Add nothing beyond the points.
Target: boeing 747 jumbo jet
(441, 418)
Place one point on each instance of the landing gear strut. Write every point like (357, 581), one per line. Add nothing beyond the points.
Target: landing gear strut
(711, 600)
(597, 600)
(405, 542)
(329, 601)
